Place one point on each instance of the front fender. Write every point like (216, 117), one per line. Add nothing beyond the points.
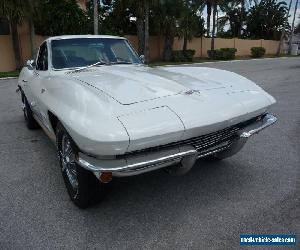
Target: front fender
(88, 117)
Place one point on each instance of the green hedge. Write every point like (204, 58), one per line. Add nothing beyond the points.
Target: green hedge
(222, 54)
(183, 55)
(257, 52)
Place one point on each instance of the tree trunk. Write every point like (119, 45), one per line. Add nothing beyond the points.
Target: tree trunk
(241, 17)
(212, 46)
(140, 35)
(16, 45)
(293, 26)
(168, 47)
(96, 31)
(146, 53)
(208, 9)
(283, 32)
(185, 41)
(32, 38)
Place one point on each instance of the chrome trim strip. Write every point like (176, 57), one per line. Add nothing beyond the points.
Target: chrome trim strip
(133, 163)
(265, 122)
(145, 162)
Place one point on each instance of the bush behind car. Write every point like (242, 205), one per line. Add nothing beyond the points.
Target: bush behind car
(183, 55)
(258, 52)
(222, 54)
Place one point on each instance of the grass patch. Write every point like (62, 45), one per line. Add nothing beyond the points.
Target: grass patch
(9, 74)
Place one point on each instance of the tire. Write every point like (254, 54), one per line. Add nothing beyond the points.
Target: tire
(31, 123)
(82, 185)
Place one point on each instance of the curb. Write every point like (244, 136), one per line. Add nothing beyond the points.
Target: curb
(224, 61)
(8, 78)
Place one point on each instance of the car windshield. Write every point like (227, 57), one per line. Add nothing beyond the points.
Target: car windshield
(82, 52)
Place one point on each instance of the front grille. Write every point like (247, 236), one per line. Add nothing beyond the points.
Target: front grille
(203, 142)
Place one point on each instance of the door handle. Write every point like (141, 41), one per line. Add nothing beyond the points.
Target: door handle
(24, 80)
(43, 90)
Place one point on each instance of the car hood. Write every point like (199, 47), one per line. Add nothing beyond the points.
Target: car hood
(133, 84)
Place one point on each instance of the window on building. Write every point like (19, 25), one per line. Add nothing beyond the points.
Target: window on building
(4, 26)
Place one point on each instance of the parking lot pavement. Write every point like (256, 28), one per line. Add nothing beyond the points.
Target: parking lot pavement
(254, 192)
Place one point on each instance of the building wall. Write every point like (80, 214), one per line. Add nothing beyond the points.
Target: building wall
(200, 45)
(7, 58)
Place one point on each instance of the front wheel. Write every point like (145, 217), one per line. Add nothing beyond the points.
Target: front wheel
(81, 184)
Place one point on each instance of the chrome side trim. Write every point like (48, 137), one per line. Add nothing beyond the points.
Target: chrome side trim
(134, 163)
(145, 162)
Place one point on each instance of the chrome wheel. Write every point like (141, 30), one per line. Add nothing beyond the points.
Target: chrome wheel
(68, 162)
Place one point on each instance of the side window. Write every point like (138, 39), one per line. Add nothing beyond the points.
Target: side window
(42, 59)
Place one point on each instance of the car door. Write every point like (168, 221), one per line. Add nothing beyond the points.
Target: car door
(39, 81)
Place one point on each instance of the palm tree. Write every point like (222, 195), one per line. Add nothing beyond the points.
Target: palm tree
(283, 31)
(215, 9)
(208, 10)
(17, 11)
(96, 17)
(14, 10)
(293, 25)
(32, 12)
(138, 11)
(167, 16)
(146, 34)
(189, 20)
(266, 19)
(244, 3)
(234, 15)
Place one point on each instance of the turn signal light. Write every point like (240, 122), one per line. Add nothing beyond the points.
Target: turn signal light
(105, 177)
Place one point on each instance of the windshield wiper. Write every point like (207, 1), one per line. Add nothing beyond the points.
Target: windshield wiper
(121, 62)
(100, 62)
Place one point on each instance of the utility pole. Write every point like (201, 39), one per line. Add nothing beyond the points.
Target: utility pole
(95, 17)
(283, 31)
(293, 26)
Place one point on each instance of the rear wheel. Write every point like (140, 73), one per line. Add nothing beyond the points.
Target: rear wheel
(82, 185)
(31, 123)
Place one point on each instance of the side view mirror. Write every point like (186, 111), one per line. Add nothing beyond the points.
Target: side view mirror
(142, 57)
(30, 64)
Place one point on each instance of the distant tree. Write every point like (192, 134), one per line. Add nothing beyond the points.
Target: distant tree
(61, 17)
(16, 11)
(167, 15)
(235, 16)
(266, 20)
(124, 10)
(297, 27)
(190, 23)
(208, 16)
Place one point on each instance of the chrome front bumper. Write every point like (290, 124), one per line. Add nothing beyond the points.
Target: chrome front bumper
(145, 162)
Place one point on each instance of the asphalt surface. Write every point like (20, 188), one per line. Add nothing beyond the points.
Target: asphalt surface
(254, 192)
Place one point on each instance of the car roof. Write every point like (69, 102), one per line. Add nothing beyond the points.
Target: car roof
(83, 36)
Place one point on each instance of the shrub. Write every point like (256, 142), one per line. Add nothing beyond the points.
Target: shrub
(222, 54)
(183, 55)
(177, 56)
(189, 54)
(257, 52)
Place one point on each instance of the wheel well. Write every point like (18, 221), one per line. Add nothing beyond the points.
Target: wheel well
(53, 120)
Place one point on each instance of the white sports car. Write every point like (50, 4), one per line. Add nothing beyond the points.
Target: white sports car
(110, 115)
